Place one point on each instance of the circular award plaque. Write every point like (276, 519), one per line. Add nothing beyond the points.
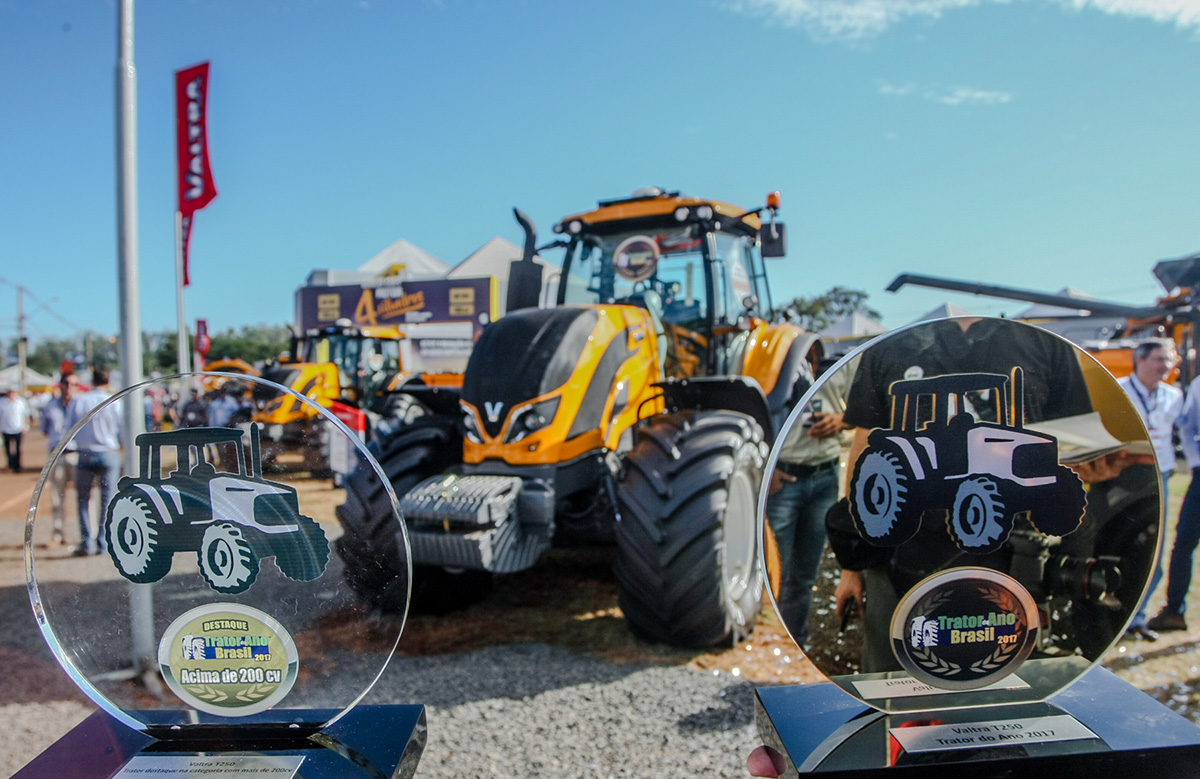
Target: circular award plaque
(968, 513)
(181, 551)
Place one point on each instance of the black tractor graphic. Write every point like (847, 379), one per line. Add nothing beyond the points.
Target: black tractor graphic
(232, 520)
(937, 455)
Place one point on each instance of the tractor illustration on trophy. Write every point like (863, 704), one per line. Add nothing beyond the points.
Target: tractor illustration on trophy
(937, 454)
(231, 519)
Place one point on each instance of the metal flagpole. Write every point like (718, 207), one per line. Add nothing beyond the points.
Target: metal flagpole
(133, 423)
(181, 332)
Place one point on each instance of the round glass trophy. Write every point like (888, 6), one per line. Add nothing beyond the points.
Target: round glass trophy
(965, 513)
(201, 580)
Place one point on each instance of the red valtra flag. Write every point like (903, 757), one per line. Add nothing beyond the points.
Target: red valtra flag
(196, 186)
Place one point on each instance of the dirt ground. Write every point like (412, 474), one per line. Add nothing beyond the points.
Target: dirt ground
(569, 600)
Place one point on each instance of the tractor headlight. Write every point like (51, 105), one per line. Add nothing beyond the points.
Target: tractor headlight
(471, 425)
(682, 214)
(531, 418)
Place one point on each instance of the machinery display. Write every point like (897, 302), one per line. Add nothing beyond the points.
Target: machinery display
(1173, 316)
(341, 367)
(637, 412)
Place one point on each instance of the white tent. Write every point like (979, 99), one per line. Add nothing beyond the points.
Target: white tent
(495, 258)
(407, 261)
(853, 325)
(10, 377)
(943, 311)
(1043, 310)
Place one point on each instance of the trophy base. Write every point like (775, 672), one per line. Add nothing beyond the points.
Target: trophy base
(370, 742)
(1099, 726)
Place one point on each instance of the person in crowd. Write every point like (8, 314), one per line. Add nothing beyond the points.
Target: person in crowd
(1187, 531)
(1159, 405)
(222, 408)
(803, 487)
(14, 421)
(54, 425)
(195, 412)
(99, 447)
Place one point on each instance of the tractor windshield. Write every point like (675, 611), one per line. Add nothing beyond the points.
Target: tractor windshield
(623, 267)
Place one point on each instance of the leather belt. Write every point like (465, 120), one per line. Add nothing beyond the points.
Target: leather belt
(796, 469)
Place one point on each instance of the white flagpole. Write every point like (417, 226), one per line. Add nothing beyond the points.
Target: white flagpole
(141, 603)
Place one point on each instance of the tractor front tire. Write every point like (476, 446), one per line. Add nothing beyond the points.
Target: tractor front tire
(227, 561)
(375, 568)
(1061, 513)
(979, 522)
(687, 561)
(134, 531)
(303, 555)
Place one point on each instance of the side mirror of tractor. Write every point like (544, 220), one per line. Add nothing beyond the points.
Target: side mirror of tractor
(773, 239)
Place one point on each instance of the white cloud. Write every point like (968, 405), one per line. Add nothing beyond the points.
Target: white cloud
(970, 96)
(852, 20)
(953, 96)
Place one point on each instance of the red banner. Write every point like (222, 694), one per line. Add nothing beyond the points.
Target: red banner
(196, 186)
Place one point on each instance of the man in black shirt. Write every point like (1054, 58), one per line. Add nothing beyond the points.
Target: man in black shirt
(1053, 387)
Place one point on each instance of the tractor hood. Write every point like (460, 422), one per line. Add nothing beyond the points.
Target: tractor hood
(523, 355)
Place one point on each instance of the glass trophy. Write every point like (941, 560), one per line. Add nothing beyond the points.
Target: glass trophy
(204, 610)
(988, 516)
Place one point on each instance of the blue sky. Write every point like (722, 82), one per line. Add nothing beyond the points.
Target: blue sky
(1040, 143)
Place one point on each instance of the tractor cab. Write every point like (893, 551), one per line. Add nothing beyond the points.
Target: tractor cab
(182, 453)
(364, 357)
(696, 265)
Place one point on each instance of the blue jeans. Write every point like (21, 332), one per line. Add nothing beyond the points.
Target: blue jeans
(1187, 535)
(796, 514)
(1156, 577)
(92, 466)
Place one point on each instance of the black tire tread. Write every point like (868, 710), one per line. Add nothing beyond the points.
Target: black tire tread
(671, 495)
(374, 568)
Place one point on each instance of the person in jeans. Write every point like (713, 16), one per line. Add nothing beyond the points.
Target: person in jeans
(14, 421)
(1187, 531)
(803, 487)
(99, 447)
(54, 425)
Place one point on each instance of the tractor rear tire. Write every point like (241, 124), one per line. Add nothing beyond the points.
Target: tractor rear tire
(880, 503)
(134, 531)
(375, 568)
(687, 561)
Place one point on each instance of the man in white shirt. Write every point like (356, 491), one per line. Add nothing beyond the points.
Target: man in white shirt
(99, 446)
(14, 421)
(1159, 405)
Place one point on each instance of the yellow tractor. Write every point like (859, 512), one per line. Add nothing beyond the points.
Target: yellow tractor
(341, 367)
(637, 411)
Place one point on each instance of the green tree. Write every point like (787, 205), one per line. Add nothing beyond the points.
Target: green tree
(819, 312)
(252, 343)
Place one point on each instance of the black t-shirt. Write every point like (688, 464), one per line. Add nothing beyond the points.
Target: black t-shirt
(1053, 387)
(1053, 382)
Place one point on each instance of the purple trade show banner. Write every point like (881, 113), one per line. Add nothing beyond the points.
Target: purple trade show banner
(395, 303)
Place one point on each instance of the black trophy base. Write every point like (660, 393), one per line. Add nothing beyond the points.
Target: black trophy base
(822, 729)
(370, 742)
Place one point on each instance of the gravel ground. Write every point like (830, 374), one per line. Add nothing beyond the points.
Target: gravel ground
(524, 708)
